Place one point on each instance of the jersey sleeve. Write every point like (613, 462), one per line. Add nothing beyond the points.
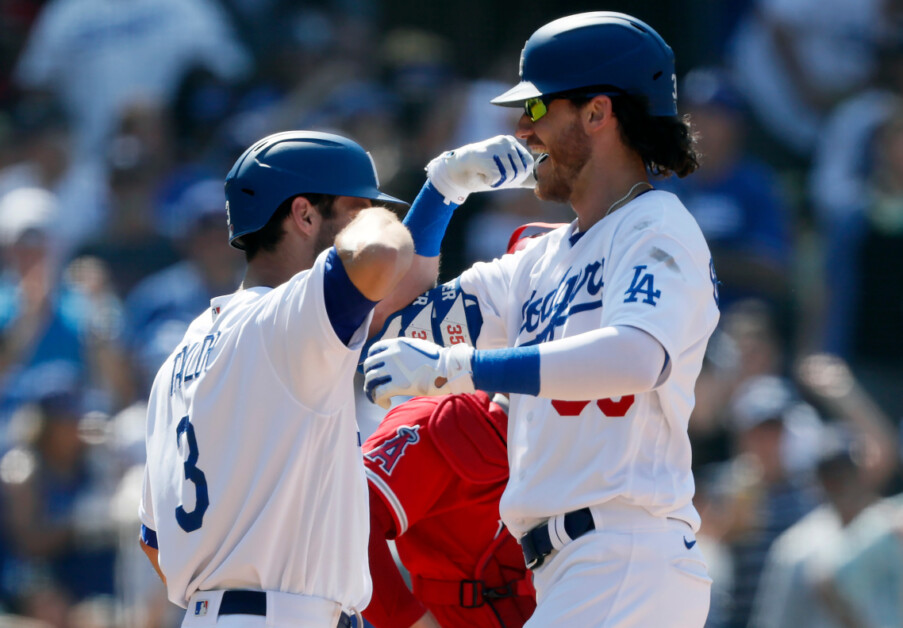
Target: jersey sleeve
(392, 605)
(146, 505)
(653, 282)
(491, 283)
(301, 342)
(403, 465)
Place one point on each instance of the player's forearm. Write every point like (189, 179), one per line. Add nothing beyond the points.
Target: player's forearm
(609, 362)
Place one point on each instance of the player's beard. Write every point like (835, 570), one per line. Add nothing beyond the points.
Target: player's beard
(567, 157)
(329, 229)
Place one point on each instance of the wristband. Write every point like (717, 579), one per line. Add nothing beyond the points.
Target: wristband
(428, 219)
(507, 370)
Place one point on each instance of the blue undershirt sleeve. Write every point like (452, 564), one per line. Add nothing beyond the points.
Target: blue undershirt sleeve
(428, 219)
(507, 370)
(346, 307)
(149, 537)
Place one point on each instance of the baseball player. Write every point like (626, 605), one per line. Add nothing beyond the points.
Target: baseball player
(436, 468)
(597, 330)
(254, 508)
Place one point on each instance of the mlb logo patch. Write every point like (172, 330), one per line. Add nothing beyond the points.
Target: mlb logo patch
(200, 608)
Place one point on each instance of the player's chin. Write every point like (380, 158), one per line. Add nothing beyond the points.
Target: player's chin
(551, 189)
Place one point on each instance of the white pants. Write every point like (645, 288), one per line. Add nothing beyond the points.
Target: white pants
(633, 571)
(284, 610)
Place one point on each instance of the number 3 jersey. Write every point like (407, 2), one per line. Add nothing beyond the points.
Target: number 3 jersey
(254, 475)
(646, 266)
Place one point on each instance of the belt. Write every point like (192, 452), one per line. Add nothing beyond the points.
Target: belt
(537, 543)
(237, 602)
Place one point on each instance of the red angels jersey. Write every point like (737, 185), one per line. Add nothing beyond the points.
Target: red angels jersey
(646, 266)
(439, 466)
(254, 476)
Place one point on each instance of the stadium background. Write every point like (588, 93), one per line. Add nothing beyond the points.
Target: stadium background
(120, 118)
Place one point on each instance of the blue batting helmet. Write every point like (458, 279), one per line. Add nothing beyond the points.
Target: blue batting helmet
(590, 50)
(286, 164)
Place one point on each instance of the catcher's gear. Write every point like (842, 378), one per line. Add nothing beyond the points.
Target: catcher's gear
(497, 163)
(407, 366)
(287, 164)
(596, 52)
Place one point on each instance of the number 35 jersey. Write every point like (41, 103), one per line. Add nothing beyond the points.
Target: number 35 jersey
(254, 476)
(646, 266)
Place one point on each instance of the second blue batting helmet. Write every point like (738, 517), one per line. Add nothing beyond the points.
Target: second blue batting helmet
(589, 50)
(287, 164)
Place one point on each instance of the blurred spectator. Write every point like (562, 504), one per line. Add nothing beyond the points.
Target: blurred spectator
(63, 552)
(849, 175)
(98, 56)
(864, 587)
(734, 197)
(51, 328)
(140, 156)
(843, 158)
(856, 460)
(16, 19)
(761, 491)
(160, 308)
(790, 593)
(863, 258)
(795, 59)
(198, 112)
(745, 345)
(311, 60)
(828, 381)
(42, 155)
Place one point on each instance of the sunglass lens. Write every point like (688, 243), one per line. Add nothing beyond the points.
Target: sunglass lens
(535, 108)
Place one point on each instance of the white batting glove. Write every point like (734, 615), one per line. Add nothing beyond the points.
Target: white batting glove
(408, 366)
(494, 164)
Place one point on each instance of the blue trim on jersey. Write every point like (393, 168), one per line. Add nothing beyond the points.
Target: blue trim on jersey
(427, 220)
(507, 370)
(575, 237)
(345, 305)
(149, 537)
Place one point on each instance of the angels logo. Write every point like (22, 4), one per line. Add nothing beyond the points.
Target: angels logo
(390, 452)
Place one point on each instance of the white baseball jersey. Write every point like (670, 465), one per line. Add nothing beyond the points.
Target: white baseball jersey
(647, 266)
(254, 475)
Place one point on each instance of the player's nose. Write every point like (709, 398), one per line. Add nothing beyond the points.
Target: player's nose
(524, 127)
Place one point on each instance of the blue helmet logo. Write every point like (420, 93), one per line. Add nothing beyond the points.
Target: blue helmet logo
(286, 164)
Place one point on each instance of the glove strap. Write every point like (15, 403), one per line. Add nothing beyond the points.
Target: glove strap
(437, 171)
(457, 364)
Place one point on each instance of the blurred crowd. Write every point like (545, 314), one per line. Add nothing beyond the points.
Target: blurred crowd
(120, 118)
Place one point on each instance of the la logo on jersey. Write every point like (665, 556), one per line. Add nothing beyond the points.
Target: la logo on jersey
(643, 284)
(200, 608)
(390, 452)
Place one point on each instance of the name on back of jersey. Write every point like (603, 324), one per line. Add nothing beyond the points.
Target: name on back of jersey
(192, 360)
